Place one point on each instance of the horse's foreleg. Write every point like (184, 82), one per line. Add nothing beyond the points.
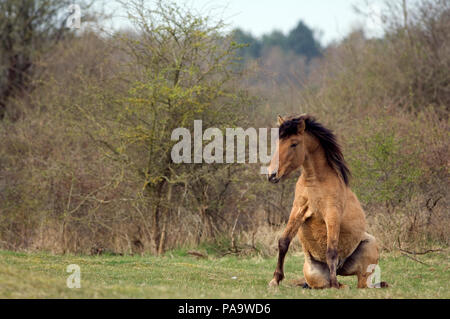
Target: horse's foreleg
(332, 221)
(291, 230)
(283, 246)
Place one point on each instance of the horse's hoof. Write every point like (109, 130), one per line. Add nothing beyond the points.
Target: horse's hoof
(273, 283)
(334, 284)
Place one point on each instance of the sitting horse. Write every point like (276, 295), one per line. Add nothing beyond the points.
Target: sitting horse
(326, 214)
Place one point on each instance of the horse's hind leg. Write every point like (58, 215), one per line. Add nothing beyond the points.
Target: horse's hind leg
(317, 274)
(358, 262)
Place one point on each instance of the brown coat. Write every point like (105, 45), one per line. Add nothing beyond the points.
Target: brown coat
(326, 214)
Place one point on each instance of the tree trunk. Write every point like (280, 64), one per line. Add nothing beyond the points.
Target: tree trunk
(162, 240)
(156, 228)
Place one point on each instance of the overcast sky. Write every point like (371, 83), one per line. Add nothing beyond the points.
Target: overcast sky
(332, 18)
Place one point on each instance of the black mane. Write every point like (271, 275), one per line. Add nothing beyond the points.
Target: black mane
(326, 138)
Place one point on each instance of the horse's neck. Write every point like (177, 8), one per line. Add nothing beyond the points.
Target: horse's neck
(315, 168)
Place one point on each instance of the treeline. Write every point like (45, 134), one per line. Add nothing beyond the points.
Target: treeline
(300, 40)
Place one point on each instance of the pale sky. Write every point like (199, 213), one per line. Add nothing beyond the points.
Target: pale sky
(332, 18)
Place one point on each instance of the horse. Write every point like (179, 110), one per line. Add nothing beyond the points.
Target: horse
(326, 214)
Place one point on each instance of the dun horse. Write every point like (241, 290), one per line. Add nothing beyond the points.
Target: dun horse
(326, 215)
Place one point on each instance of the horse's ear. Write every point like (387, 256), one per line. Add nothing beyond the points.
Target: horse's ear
(301, 126)
(280, 120)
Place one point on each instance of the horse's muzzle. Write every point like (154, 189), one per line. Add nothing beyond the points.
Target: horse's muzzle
(273, 178)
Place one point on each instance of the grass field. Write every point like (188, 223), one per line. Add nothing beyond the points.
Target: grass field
(178, 275)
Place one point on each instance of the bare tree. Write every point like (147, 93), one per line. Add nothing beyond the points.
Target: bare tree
(27, 29)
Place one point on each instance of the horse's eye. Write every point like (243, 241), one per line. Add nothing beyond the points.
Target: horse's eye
(294, 145)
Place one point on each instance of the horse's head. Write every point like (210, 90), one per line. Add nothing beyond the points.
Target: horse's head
(291, 148)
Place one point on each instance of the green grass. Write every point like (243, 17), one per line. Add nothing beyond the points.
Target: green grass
(177, 275)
